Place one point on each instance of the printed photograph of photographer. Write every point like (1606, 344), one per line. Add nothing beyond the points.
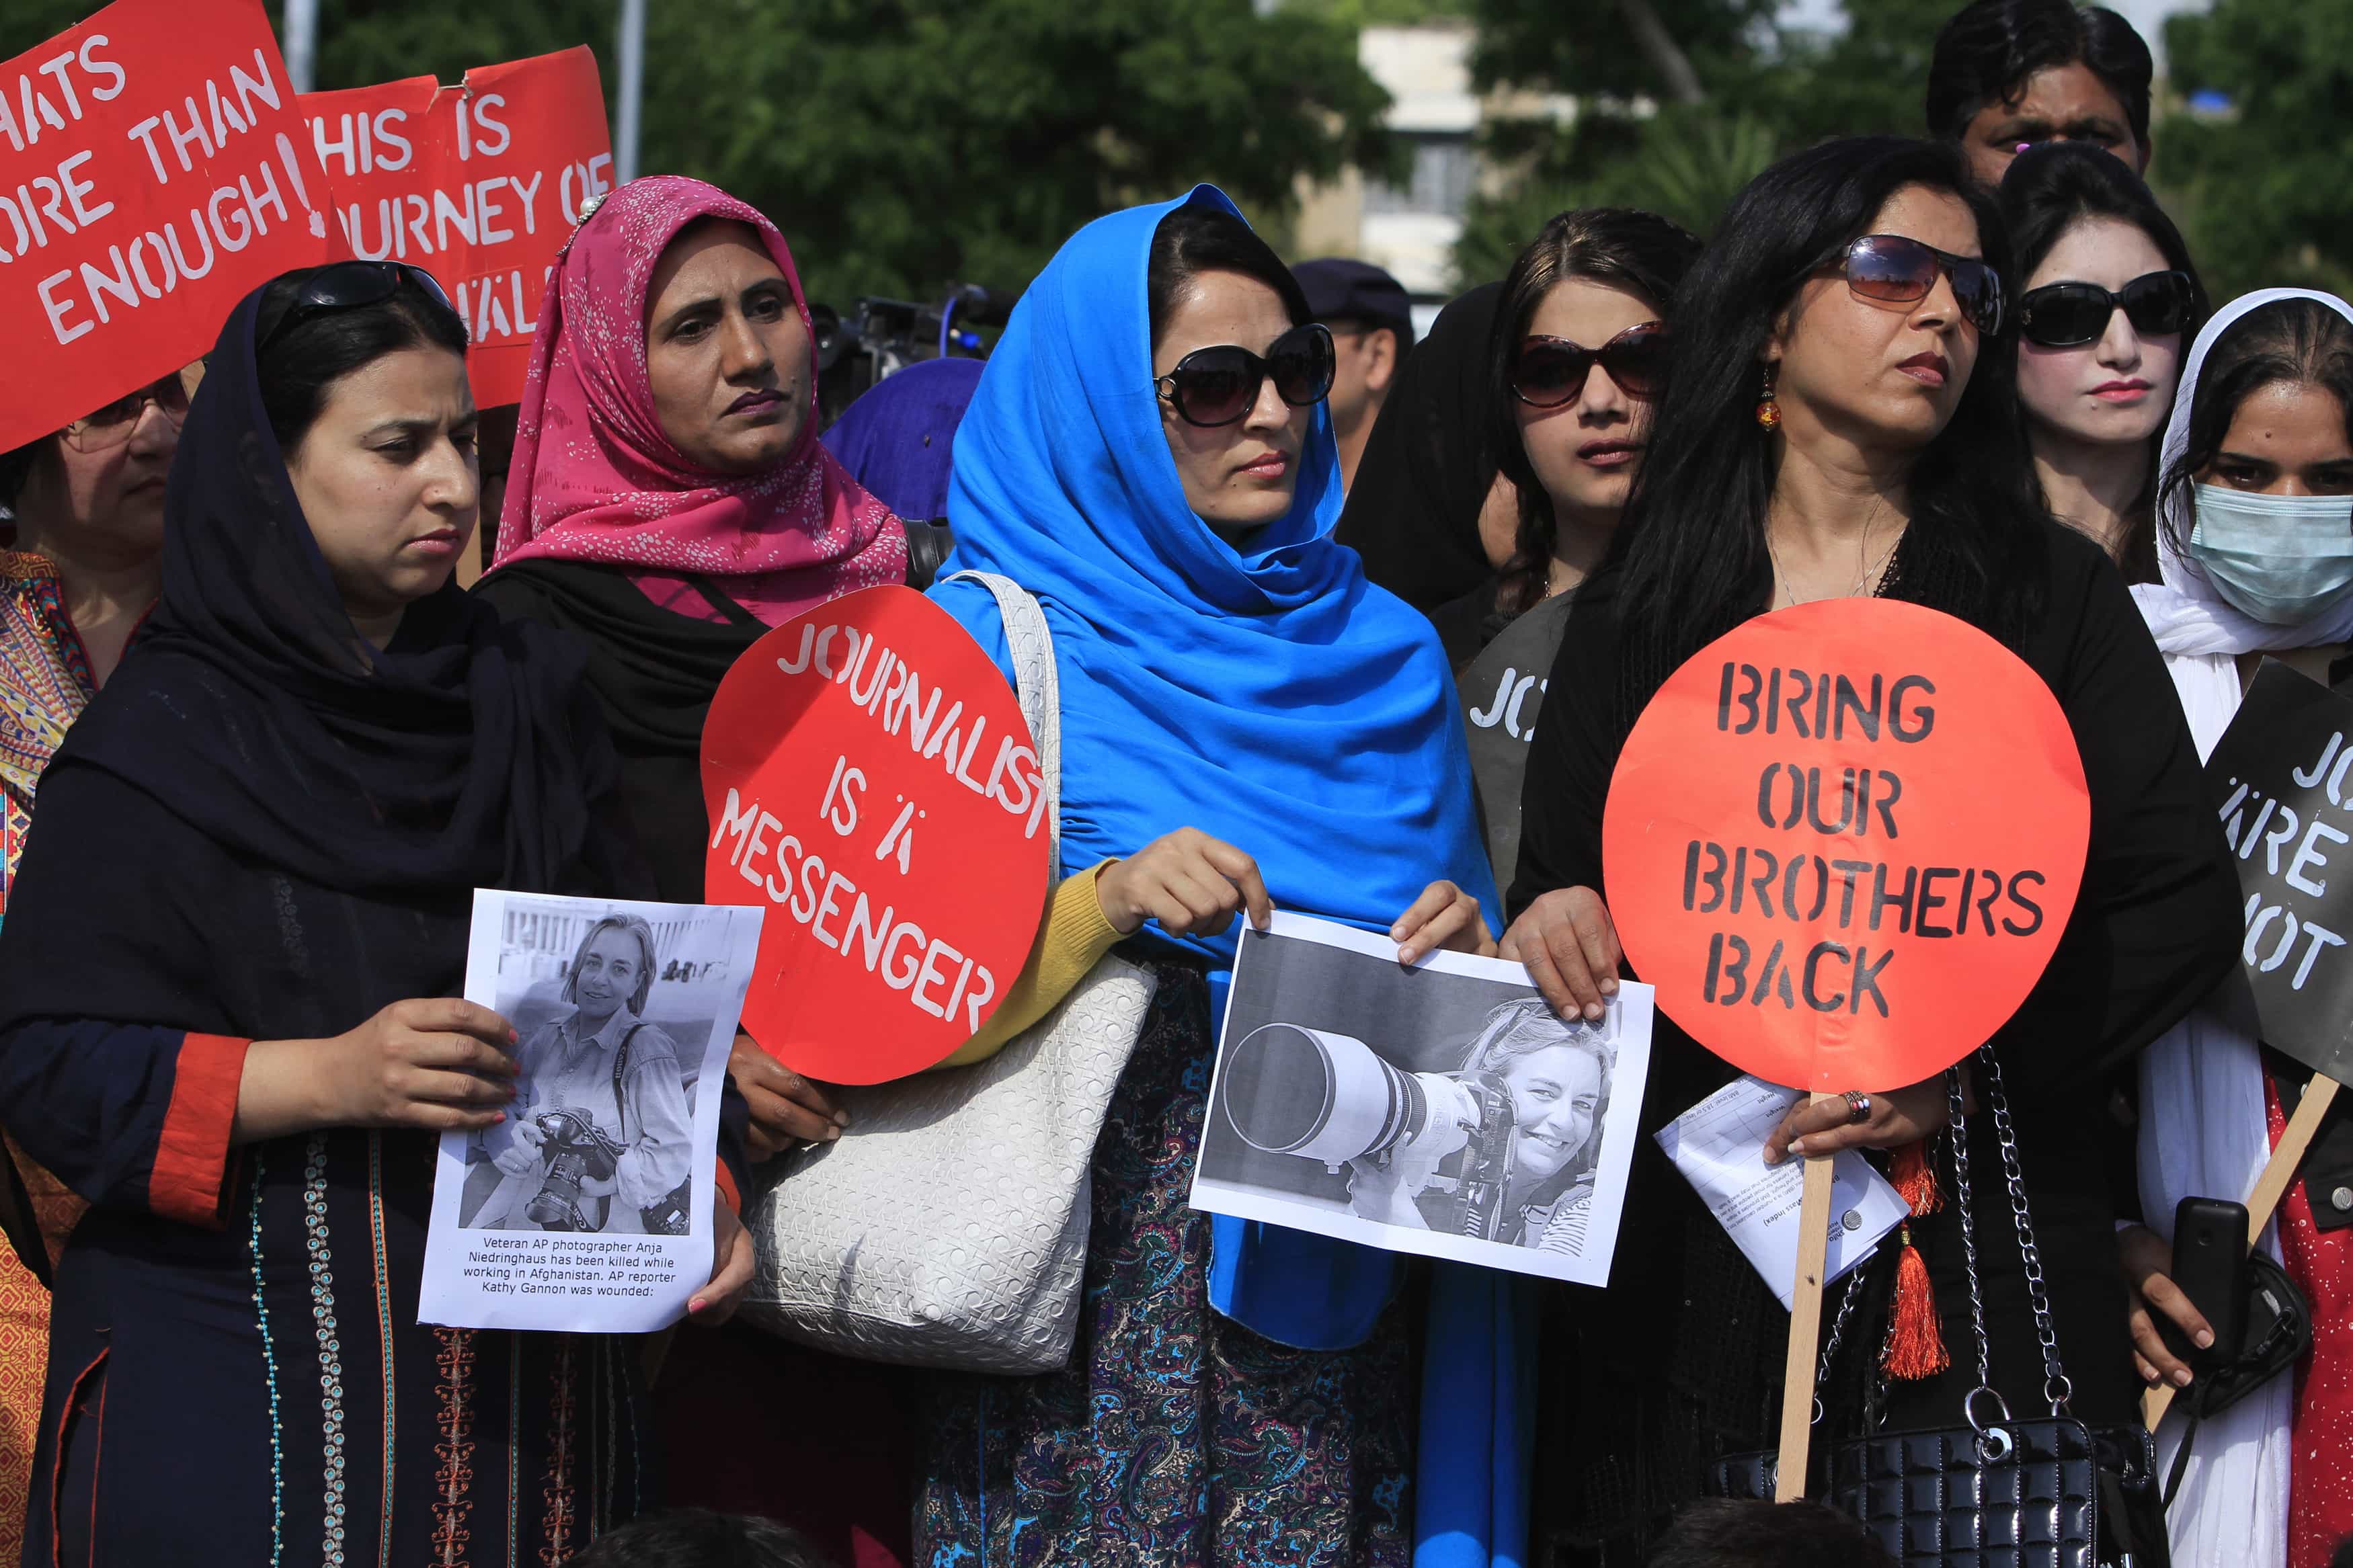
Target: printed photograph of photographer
(1444, 1109)
(613, 1013)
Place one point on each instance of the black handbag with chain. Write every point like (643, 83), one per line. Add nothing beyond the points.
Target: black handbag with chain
(2045, 1491)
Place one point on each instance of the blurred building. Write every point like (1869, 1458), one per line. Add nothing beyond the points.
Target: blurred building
(1410, 229)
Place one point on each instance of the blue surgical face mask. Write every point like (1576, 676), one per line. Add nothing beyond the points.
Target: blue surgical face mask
(2284, 560)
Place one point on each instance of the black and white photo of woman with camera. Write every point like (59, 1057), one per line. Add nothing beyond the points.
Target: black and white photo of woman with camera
(600, 1135)
(1537, 1086)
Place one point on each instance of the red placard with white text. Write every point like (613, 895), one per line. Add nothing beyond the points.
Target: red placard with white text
(154, 170)
(481, 185)
(870, 775)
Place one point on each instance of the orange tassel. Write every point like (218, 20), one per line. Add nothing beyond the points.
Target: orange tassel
(1915, 1177)
(1916, 1342)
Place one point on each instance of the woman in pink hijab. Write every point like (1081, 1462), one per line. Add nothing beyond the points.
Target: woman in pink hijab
(669, 500)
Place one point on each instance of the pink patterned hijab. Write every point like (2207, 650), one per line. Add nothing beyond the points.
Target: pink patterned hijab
(595, 479)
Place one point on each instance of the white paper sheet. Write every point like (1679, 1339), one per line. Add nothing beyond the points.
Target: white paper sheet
(1719, 1146)
(1442, 1109)
(519, 1239)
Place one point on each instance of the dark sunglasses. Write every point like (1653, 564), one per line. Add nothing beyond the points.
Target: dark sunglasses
(1899, 270)
(1218, 385)
(348, 285)
(2068, 315)
(1550, 371)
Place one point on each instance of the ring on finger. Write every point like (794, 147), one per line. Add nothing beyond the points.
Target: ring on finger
(1858, 1108)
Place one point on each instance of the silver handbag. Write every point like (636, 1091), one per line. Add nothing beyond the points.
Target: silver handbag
(947, 1226)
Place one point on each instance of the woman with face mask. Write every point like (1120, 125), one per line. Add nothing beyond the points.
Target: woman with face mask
(2256, 550)
(229, 989)
(1147, 456)
(1839, 425)
(2110, 300)
(83, 573)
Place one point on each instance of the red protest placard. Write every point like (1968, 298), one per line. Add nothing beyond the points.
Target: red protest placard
(869, 774)
(1842, 841)
(481, 185)
(152, 172)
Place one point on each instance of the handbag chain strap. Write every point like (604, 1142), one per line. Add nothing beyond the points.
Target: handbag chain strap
(1993, 1441)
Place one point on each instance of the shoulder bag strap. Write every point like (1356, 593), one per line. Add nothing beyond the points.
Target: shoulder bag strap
(1040, 688)
(718, 599)
(620, 1065)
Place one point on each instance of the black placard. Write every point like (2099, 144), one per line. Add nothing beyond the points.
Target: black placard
(2284, 775)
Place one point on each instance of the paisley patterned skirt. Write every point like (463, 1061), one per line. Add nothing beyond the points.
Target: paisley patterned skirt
(1176, 1438)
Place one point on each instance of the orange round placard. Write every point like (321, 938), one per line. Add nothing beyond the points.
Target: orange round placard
(1843, 841)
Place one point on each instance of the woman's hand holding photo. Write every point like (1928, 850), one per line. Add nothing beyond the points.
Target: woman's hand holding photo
(1443, 917)
(434, 1062)
(1569, 945)
(731, 1270)
(1895, 1117)
(1191, 883)
(788, 1109)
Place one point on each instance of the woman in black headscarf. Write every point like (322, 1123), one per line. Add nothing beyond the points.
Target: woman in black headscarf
(1428, 512)
(227, 989)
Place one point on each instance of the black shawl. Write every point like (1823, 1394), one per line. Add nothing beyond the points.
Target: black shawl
(1413, 507)
(265, 827)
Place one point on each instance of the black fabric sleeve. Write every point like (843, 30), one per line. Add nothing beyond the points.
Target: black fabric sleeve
(1572, 754)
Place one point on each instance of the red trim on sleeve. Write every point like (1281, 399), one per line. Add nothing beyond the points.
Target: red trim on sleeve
(727, 1188)
(190, 1178)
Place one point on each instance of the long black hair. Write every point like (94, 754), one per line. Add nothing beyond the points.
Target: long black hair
(1692, 540)
(2048, 191)
(1638, 251)
(2299, 341)
(299, 365)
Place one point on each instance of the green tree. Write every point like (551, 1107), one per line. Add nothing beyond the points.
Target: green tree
(2262, 188)
(903, 143)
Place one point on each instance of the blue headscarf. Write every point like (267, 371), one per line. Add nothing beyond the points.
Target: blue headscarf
(1269, 696)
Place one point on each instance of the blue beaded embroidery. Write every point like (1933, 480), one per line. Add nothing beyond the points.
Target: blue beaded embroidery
(269, 1369)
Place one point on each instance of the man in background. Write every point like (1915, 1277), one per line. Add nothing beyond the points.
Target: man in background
(2010, 73)
(1372, 328)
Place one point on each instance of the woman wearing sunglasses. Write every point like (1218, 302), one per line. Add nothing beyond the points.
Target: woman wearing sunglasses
(229, 1010)
(2254, 545)
(2110, 298)
(84, 570)
(1840, 424)
(1147, 454)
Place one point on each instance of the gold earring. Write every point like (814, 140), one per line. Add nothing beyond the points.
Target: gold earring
(1768, 413)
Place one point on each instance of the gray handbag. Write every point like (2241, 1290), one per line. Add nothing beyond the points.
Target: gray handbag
(947, 1226)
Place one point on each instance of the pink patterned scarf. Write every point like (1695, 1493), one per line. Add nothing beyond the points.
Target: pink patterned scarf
(595, 479)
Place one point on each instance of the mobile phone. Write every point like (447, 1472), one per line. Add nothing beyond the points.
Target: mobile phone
(2209, 1265)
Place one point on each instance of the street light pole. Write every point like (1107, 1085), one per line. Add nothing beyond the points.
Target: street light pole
(301, 42)
(631, 50)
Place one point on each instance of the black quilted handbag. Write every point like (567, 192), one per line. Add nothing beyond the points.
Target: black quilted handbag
(2047, 1491)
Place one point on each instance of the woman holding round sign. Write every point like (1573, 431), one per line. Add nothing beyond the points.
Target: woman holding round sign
(1147, 454)
(315, 754)
(1839, 426)
(2255, 543)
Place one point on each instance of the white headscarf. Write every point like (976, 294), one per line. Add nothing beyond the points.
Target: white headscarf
(2184, 611)
(2204, 1128)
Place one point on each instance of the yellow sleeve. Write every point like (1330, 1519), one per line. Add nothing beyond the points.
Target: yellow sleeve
(1075, 936)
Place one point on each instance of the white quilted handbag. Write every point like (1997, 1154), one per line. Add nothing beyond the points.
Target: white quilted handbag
(947, 1226)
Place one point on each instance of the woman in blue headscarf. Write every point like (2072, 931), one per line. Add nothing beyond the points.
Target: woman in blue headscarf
(1149, 454)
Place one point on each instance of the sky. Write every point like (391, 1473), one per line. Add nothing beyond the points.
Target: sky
(2147, 16)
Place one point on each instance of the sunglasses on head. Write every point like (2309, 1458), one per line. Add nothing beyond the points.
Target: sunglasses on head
(1550, 371)
(111, 425)
(1899, 270)
(348, 285)
(2068, 315)
(1218, 385)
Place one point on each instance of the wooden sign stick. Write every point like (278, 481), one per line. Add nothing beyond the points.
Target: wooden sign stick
(2279, 1171)
(1805, 1327)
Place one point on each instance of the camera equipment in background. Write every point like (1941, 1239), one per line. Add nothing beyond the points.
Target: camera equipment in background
(576, 1152)
(881, 337)
(1328, 1096)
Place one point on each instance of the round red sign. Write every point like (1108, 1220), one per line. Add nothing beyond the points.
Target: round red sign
(873, 785)
(1843, 841)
